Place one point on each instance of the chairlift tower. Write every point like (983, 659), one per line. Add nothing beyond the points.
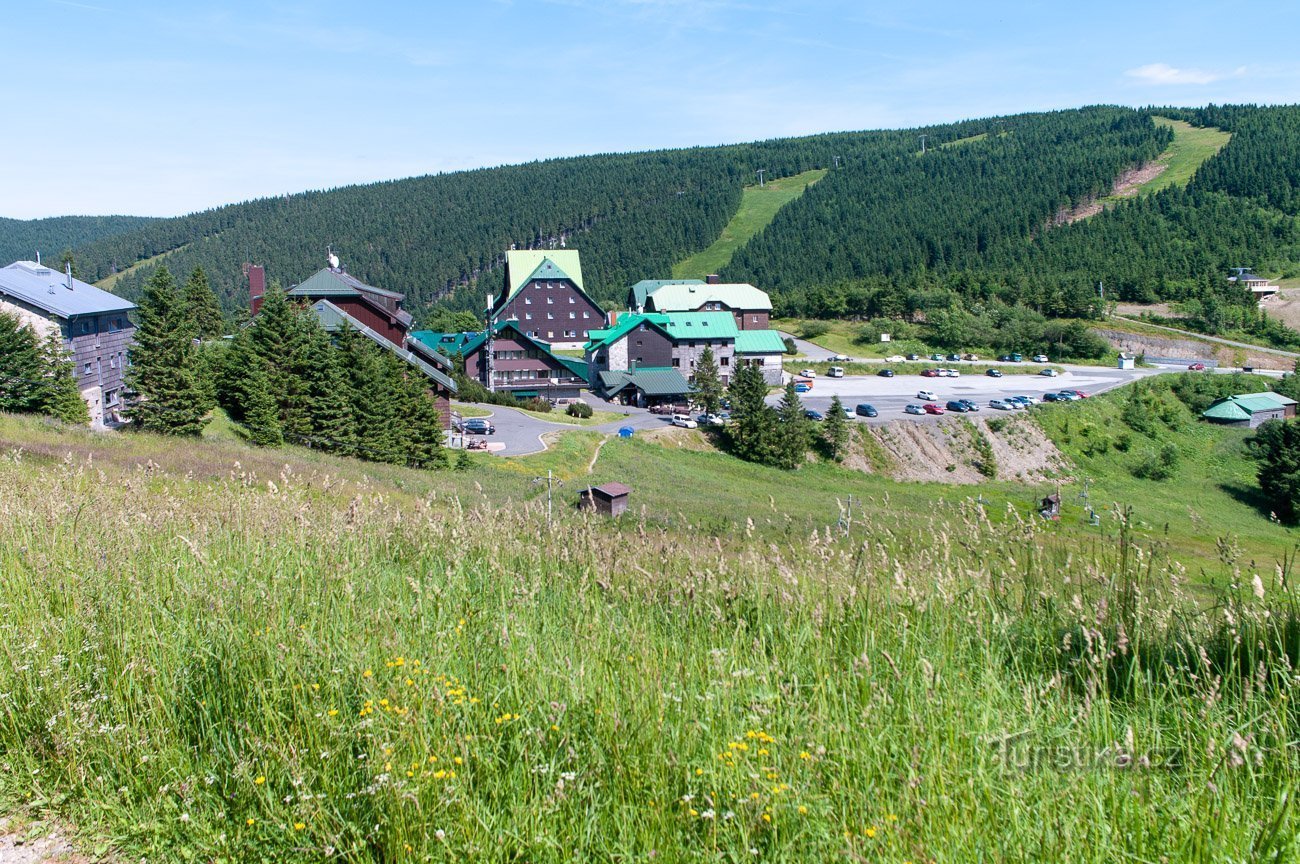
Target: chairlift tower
(760, 172)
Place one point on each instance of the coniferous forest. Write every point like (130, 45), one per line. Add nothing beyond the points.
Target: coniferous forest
(889, 230)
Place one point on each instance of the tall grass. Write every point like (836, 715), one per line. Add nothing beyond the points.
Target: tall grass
(301, 667)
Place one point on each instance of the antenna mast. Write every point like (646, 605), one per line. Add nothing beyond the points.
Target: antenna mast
(489, 350)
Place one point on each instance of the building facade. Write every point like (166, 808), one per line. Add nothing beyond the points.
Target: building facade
(94, 325)
(521, 365)
(543, 292)
(751, 307)
(674, 341)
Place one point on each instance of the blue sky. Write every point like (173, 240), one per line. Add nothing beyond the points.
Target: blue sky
(160, 108)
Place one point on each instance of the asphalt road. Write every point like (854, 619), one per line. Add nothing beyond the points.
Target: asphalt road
(522, 433)
(890, 395)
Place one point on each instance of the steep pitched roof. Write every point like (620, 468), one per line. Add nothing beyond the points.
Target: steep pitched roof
(759, 342)
(523, 265)
(47, 289)
(684, 296)
(638, 293)
(469, 342)
(701, 325)
(332, 318)
(624, 325)
(336, 283)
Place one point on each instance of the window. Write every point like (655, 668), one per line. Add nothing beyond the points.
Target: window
(571, 300)
(85, 326)
(573, 315)
(586, 314)
(85, 370)
(550, 301)
(528, 301)
(112, 362)
(571, 333)
(724, 361)
(676, 362)
(638, 343)
(528, 316)
(550, 316)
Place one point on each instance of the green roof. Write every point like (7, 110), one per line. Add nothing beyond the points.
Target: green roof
(329, 282)
(701, 325)
(1242, 406)
(675, 297)
(576, 365)
(638, 293)
(469, 342)
(625, 324)
(523, 265)
(332, 318)
(651, 380)
(759, 342)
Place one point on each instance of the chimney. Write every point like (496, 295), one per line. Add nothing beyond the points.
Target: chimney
(713, 279)
(256, 285)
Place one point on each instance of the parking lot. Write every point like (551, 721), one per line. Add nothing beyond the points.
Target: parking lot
(891, 395)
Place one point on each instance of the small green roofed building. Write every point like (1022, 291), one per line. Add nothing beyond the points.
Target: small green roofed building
(644, 386)
(1250, 409)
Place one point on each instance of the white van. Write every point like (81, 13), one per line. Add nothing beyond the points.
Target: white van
(835, 372)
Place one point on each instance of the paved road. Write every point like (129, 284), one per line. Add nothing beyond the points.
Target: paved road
(522, 433)
(808, 349)
(890, 395)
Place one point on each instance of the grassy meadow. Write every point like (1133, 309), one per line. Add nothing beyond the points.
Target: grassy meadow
(212, 652)
(758, 206)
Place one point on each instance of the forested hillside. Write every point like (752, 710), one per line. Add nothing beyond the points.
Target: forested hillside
(889, 230)
(22, 239)
(633, 216)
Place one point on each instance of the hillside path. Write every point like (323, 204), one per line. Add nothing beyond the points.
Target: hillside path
(1201, 336)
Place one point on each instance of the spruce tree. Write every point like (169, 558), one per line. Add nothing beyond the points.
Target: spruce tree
(201, 306)
(322, 416)
(169, 398)
(61, 398)
(792, 429)
(708, 387)
(371, 395)
(836, 431)
(233, 388)
(22, 372)
(753, 429)
(276, 336)
(261, 414)
(426, 431)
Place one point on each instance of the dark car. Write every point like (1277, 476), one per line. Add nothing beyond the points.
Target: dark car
(815, 416)
(1010, 358)
(954, 358)
(886, 373)
(958, 405)
(994, 373)
(913, 357)
(1055, 397)
(970, 406)
(865, 410)
(930, 373)
(478, 426)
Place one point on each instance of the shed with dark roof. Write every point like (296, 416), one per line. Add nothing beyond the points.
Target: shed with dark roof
(609, 499)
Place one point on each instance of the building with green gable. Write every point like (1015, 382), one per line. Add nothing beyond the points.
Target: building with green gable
(543, 291)
(1250, 409)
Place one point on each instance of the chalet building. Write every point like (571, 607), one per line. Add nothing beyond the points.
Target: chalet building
(643, 386)
(1250, 409)
(93, 324)
(637, 294)
(1257, 285)
(764, 349)
(751, 307)
(543, 292)
(340, 300)
(521, 365)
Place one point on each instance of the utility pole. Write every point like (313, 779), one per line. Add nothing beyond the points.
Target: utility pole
(550, 481)
(923, 137)
(760, 172)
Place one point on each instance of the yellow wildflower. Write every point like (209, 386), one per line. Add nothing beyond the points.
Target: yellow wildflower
(298, 826)
(260, 780)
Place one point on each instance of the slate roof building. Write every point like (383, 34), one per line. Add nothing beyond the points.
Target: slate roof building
(93, 324)
(521, 365)
(1250, 409)
(543, 291)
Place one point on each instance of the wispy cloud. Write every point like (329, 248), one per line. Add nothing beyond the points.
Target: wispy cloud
(1163, 73)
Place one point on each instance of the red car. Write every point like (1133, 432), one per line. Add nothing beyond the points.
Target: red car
(932, 408)
(930, 373)
(1078, 393)
(1197, 367)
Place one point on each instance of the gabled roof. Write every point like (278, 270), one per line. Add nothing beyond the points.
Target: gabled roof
(1242, 406)
(524, 265)
(638, 293)
(576, 365)
(653, 381)
(47, 289)
(701, 325)
(332, 318)
(624, 325)
(336, 283)
(469, 342)
(759, 342)
(684, 296)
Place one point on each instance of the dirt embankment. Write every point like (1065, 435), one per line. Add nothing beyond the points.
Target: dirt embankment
(959, 450)
(1192, 349)
(1126, 186)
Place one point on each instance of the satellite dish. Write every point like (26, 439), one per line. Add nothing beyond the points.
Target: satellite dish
(334, 261)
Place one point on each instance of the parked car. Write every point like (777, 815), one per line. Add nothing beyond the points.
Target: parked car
(1055, 397)
(479, 426)
(841, 358)
(802, 386)
(913, 357)
(951, 373)
(685, 421)
(1010, 358)
(835, 372)
(815, 416)
(865, 410)
(894, 358)
(931, 408)
(1041, 358)
(914, 409)
(808, 373)
(958, 406)
(1197, 367)
(954, 358)
(1048, 373)
(1080, 393)
(1027, 400)
(711, 420)
(886, 373)
(994, 373)
(848, 412)
(1002, 404)
(1067, 396)
(669, 408)
(930, 373)
(970, 406)
(938, 357)
(971, 357)
(926, 395)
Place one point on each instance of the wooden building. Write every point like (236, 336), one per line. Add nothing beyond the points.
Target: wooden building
(543, 292)
(93, 324)
(609, 499)
(1250, 409)
(521, 365)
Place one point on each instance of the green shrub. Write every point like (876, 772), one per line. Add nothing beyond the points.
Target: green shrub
(537, 404)
(580, 410)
